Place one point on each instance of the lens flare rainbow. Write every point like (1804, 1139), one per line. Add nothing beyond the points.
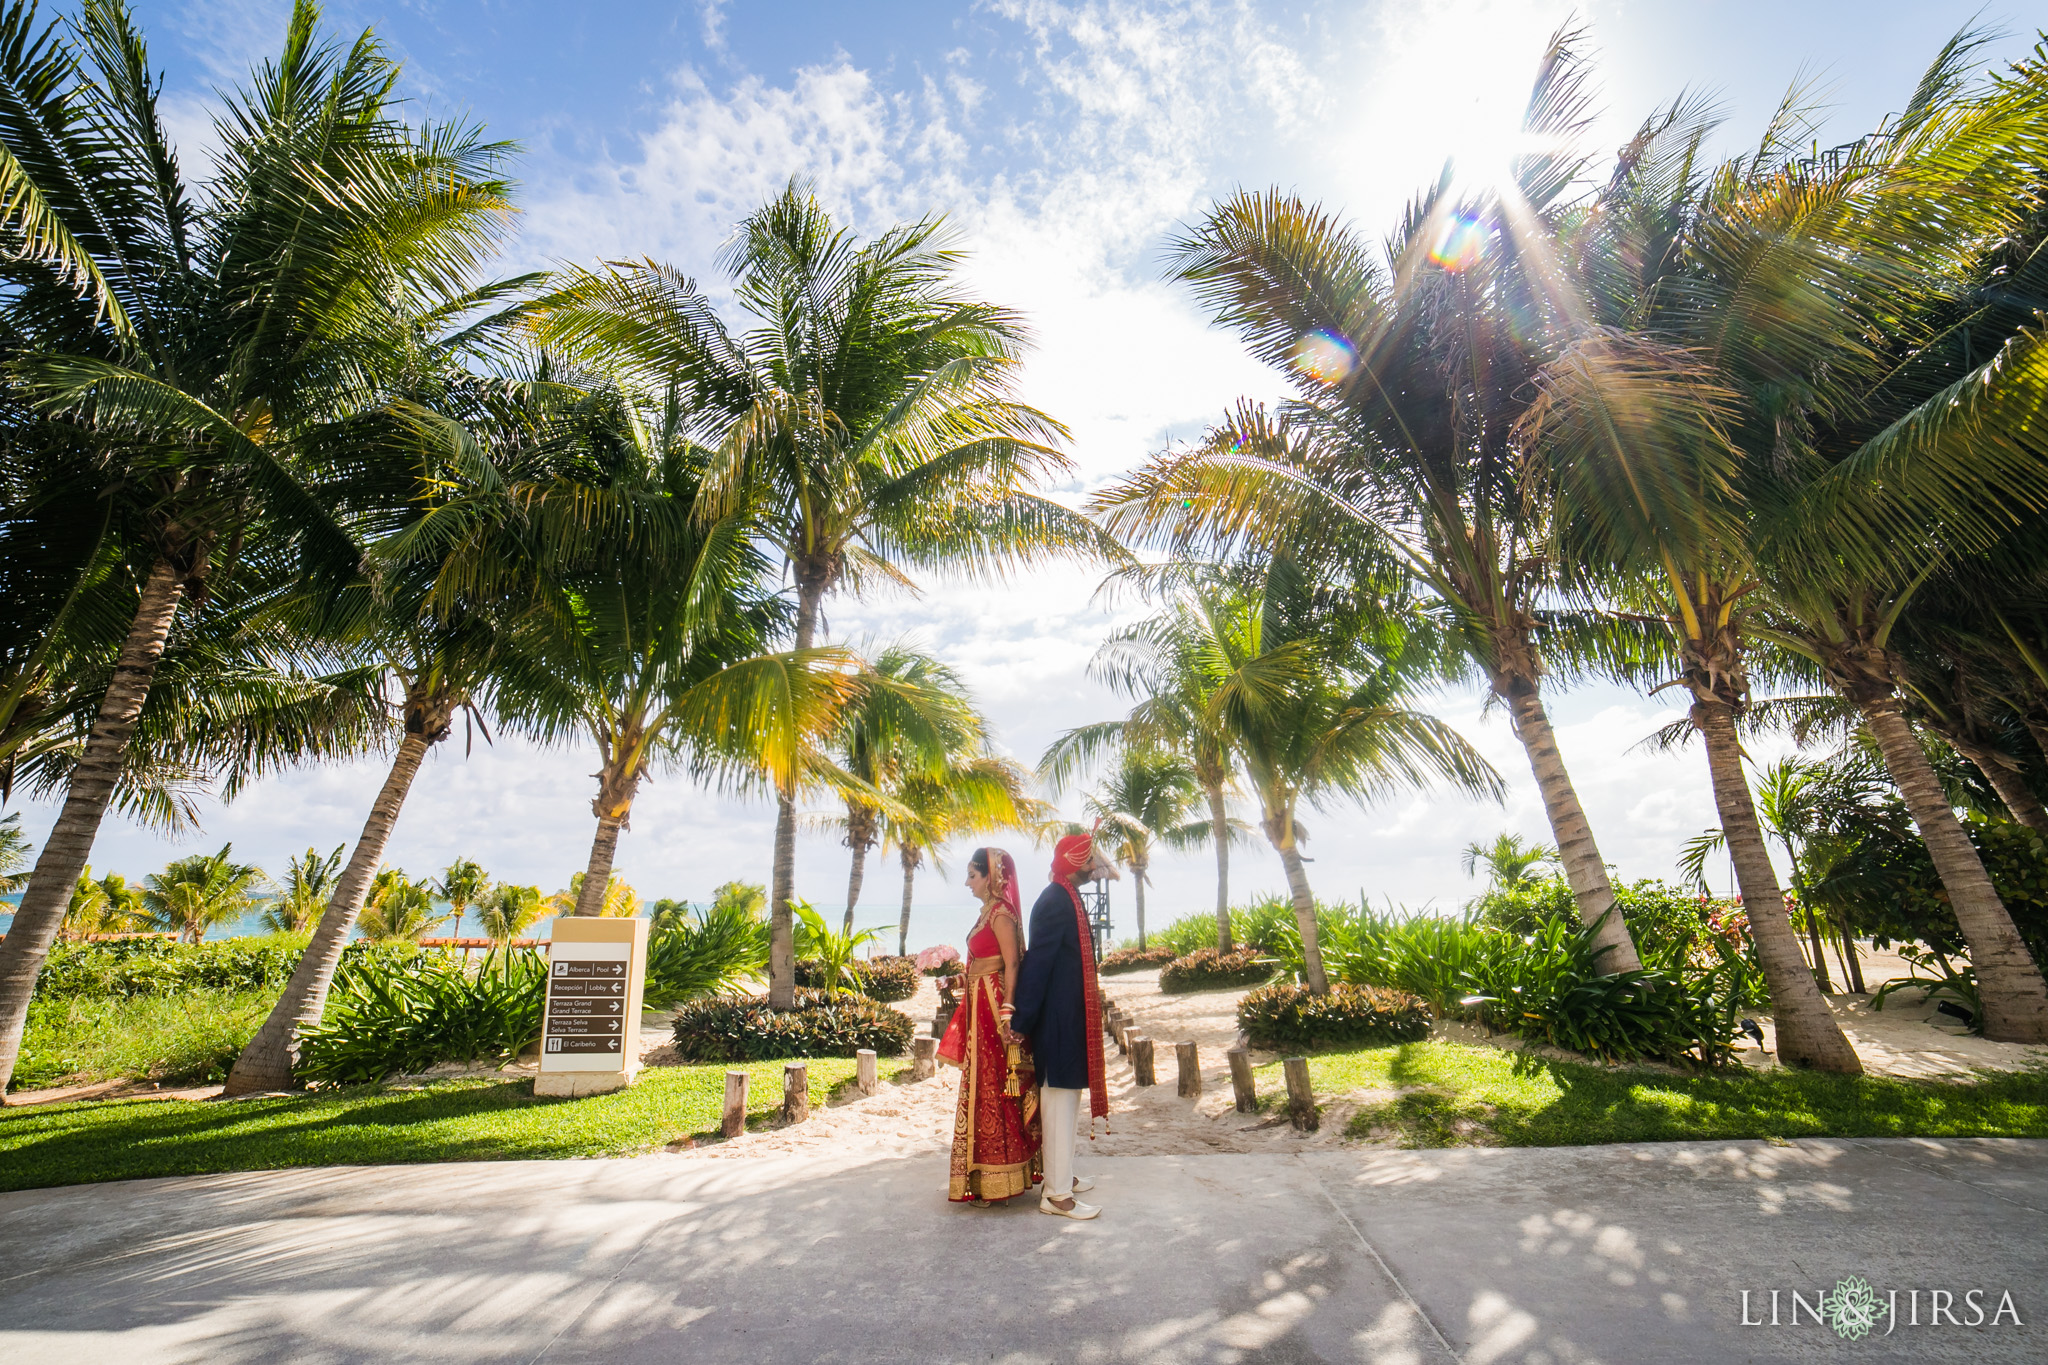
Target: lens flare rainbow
(1461, 243)
(1325, 356)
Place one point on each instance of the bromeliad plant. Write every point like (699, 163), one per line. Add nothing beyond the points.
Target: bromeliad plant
(392, 1015)
(831, 950)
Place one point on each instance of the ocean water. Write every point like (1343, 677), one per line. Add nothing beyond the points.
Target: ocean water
(944, 920)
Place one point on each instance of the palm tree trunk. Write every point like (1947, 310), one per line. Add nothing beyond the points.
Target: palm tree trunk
(1584, 869)
(860, 836)
(781, 922)
(1138, 891)
(1853, 964)
(1304, 903)
(853, 881)
(597, 873)
(64, 855)
(910, 860)
(1219, 830)
(2015, 996)
(1820, 956)
(2005, 779)
(1808, 1035)
(266, 1063)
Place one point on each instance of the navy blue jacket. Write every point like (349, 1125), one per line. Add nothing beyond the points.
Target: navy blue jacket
(1051, 1006)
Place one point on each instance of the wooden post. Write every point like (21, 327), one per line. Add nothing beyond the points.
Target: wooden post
(1189, 1061)
(1241, 1080)
(735, 1121)
(1123, 1037)
(864, 1077)
(796, 1092)
(1141, 1058)
(924, 1058)
(1301, 1097)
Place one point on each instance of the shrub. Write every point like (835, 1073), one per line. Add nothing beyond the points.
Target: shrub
(704, 952)
(881, 979)
(1134, 960)
(154, 966)
(1209, 970)
(1287, 1016)
(742, 1028)
(1260, 925)
(388, 1014)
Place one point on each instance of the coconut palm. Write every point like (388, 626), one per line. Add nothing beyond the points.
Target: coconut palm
(1410, 382)
(463, 884)
(223, 346)
(910, 716)
(865, 419)
(614, 899)
(1147, 799)
(398, 909)
(972, 794)
(1163, 664)
(194, 894)
(1314, 678)
(308, 883)
(14, 851)
(1509, 860)
(105, 905)
(507, 911)
(1885, 397)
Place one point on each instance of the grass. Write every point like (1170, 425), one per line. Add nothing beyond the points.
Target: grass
(1454, 1095)
(193, 1037)
(462, 1120)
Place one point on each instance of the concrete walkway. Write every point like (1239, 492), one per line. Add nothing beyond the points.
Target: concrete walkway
(1618, 1254)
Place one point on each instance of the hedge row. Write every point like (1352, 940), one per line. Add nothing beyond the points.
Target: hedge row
(1286, 1016)
(1134, 960)
(882, 979)
(1209, 970)
(742, 1028)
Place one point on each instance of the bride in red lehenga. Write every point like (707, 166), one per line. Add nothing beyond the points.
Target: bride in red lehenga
(995, 1132)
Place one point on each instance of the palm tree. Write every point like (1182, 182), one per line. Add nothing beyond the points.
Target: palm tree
(308, 883)
(463, 884)
(1146, 799)
(399, 909)
(866, 420)
(506, 911)
(972, 794)
(106, 905)
(14, 851)
(911, 715)
(193, 894)
(1164, 664)
(1886, 391)
(1314, 681)
(1509, 861)
(613, 899)
(1403, 439)
(223, 349)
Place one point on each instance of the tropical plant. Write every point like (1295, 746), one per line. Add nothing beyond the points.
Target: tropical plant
(1508, 860)
(865, 420)
(972, 794)
(399, 909)
(1146, 799)
(911, 716)
(14, 849)
(107, 905)
(616, 901)
(1403, 441)
(747, 1028)
(1136, 960)
(1290, 1016)
(710, 953)
(308, 883)
(507, 911)
(123, 968)
(463, 884)
(389, 1016)
(194, 894)
(1164, 663)
(833, 952)
(225, 350)
(1208, 970)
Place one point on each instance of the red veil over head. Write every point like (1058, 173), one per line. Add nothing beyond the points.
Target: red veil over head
(1002, 877)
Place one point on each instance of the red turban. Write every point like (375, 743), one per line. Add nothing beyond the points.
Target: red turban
(1071, 854)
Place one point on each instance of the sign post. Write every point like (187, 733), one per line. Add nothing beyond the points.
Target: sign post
(590, 1036)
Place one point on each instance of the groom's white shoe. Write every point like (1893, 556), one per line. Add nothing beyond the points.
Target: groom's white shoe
(1082, 1184)
(1074, 1208)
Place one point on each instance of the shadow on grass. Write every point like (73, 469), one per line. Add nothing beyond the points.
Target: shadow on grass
(1521, 1100)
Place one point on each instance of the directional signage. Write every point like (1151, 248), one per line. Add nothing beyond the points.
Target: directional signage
(592, 1023)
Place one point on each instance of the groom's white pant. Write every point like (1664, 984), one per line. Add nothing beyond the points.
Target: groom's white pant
(1059, 1122)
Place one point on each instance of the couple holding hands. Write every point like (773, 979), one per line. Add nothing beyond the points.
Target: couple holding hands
(1027, 1036)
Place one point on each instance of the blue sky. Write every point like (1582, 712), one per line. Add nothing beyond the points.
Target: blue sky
(1064, 142)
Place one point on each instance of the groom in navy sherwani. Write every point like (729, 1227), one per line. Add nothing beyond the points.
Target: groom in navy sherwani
(1059, 1010)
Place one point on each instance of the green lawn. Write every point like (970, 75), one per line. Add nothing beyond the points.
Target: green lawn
(1456, 1095)
(192, 1036)
(469, 1120)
